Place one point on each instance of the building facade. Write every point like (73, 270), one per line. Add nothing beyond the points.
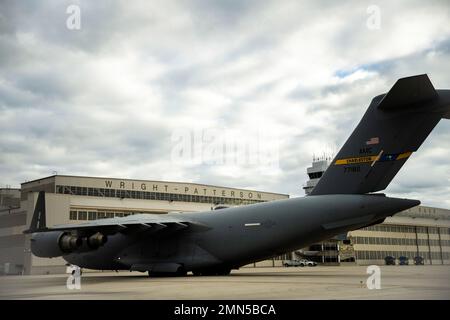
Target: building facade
(417, 232)
(9, 198)
(12, 244)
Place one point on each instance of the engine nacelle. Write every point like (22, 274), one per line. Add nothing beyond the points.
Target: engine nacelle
(96, 240)
(54, 244)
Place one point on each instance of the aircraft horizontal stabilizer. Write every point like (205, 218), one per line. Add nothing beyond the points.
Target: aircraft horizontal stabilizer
(409, 91)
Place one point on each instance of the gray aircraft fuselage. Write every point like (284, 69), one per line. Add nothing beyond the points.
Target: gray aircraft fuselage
(241, 235)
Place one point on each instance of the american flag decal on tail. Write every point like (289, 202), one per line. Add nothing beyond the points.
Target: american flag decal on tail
(374, 140)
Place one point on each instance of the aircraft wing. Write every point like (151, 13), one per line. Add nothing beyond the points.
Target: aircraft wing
(150, 223)
(141, 222)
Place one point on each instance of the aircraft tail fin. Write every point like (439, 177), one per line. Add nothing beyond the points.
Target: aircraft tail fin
(394, 126)
(38, 221)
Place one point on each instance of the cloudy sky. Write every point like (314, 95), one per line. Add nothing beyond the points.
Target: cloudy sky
(119, 96)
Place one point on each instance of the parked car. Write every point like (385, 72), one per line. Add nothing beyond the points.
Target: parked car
(403, 261)
(299, 263)
(418, 260)
(291, 263)
(389, 260)
(309, 263)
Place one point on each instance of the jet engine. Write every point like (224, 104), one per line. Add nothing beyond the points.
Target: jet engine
(96, 240)
(54, 244)
(58, 243)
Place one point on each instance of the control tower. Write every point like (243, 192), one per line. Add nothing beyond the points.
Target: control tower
(315, 172)
(336, 249)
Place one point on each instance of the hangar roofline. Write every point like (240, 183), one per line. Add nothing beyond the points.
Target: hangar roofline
(158, 181)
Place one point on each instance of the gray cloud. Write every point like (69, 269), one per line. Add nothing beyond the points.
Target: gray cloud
(105, 100)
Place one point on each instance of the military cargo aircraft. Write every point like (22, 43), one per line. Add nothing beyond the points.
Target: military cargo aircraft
(213, 243)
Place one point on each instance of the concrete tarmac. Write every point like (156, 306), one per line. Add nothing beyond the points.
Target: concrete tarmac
(321, 282)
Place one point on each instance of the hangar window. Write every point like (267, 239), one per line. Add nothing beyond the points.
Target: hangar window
(101, 215)
(82, 215)
(421, 229)
(92, 215)
(110, 215)
(73, 215)
(111, 193)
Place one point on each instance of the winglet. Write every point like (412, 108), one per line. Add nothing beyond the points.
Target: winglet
(38, 222)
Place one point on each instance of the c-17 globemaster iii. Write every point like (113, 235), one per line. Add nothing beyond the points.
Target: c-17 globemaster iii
(213, 243)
